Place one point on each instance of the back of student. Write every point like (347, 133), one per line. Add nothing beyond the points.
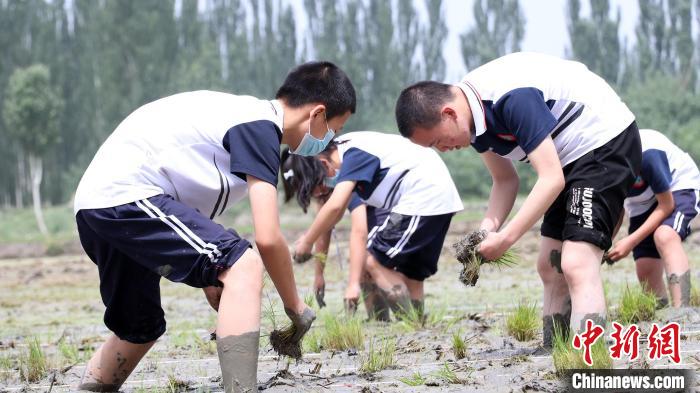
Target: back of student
(189, 146)
(666, 166)
(396, 174)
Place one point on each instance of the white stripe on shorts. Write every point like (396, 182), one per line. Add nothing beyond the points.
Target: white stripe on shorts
(179, 227)
(376, 229)
(412, 226)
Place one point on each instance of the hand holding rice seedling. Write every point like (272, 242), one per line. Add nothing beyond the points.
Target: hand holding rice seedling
(287, 341)
(467, 252)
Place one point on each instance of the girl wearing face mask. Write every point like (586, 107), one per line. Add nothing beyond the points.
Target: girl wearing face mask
(415, 188)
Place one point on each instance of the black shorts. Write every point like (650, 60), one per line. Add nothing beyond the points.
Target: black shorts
(135, 244)
(411, 245)
(596, 186)
(687, 206)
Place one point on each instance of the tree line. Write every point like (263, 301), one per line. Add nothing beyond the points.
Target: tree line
(72, 70)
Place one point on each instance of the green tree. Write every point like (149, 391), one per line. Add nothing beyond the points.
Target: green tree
(31, 111)
(664, 40)
(499, 29)
(434, 36)
(595, 41)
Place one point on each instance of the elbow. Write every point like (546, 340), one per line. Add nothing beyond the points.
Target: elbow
(268, 240)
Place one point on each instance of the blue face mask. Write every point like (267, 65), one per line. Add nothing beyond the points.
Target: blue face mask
(310, 145)
(331, 181)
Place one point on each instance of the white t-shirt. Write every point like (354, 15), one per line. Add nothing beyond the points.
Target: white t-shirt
(197, 147)
(519, 99)
(665, 167)
(395, 174)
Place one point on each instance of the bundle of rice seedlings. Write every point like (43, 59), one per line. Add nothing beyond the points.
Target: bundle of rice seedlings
(566, 358)
(283, 342)
(523, 322)
(466, 250)
(636, 305)
(288, 340)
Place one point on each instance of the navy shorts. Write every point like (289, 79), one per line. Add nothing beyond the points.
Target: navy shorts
(411, 245)
(687, 206)
(592, 201)
(135, 244)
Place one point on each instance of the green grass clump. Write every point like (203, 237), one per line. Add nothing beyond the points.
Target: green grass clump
(413, 319)
(380, 358)
(459, 346)
(523, 322)
(69, 351)
(565, 357)
(342, 333)
(33, 363)
(636, 305)
(448, 375)
(312, 341)
(414, 380)
(694, 296)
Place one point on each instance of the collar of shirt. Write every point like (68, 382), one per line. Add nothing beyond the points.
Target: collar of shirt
(278, 112)
(476, 106)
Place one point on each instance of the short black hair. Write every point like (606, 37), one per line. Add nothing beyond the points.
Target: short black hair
(419, 105)
(319, 81)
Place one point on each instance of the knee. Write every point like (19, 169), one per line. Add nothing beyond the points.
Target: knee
(645, 270)
(665, 236)
(578, 270)
(245, 274)
(548, 273)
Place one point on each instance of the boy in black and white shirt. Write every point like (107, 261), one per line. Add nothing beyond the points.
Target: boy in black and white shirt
(661, 204)
(145, 206)
(581, 140)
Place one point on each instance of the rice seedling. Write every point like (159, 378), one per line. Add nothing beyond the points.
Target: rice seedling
(694, 296)
(341, 333)
(33, 363)
(459, 346)
(309, 300)
(414, 380)
(312, 342)
(6, 367)
(414, 319)
(69, 351)
(287, 341)
(380, 358)
(566, 357)
(176, 385)
(466, 250)
(204, 346)
(636, 305)
(523, 322)
(447, 374)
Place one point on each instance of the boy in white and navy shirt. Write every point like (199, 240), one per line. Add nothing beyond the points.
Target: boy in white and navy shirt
(581, 140)
(661, 204)
(145, 205)
(412, 186)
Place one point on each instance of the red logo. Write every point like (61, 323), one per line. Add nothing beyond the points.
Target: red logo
(627, 343)
(665, 342)
(507, 137)
(586, 339)
(639, 183)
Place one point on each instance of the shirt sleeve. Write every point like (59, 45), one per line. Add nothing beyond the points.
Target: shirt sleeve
(358, 166)
(255, 150)
(525, 113)
(656, 171)
(355, 201)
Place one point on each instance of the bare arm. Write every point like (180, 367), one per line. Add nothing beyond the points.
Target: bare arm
(271, 243)
(550, 182)
(503, 191)
(330, 213)
(358, 249)
(663, 209)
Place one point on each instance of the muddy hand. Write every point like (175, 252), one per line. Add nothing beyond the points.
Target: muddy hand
(302, 251)
(350, 306)
(320, 293)
(302, 322)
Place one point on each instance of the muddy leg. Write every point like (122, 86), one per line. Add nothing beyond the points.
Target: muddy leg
(556, 310)
(650, 272)
(238, 323)
(581, 267)
(376, 305)
(112, 364)
(390, 284)
(675, 260)
(415, 290)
